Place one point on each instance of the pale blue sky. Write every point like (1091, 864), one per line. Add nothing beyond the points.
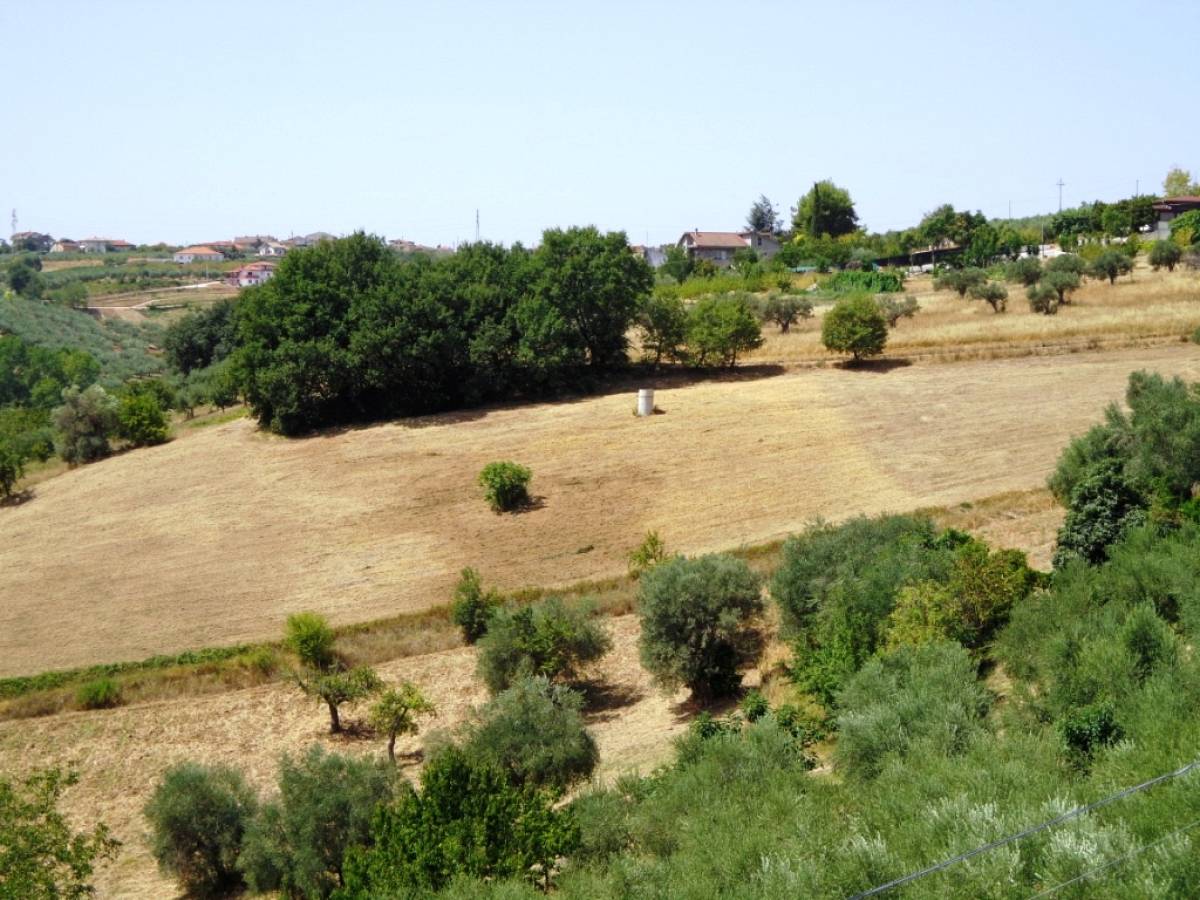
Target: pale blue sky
(185, 122)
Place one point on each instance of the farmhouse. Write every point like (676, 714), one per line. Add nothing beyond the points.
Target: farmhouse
(32, 240)
(718, 247)
(272, 248)
(102, 245)
(1170, 207)
(65, 245)
(252, 274)
(198, 254)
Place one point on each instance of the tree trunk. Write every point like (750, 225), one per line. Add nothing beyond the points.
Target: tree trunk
(392, 747)
(784, 325)
(335, 722)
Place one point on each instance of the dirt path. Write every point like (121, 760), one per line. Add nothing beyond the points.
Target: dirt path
(215, 539)
(120, 754)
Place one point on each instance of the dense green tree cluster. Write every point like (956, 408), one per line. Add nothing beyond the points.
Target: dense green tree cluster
(345, 331)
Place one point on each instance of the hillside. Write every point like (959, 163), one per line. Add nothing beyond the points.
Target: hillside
(214, 539)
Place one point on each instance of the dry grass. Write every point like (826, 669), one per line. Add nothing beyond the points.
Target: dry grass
(215, 539)
(1153, 306)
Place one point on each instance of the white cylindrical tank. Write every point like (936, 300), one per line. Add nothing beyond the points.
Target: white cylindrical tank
(645, 404)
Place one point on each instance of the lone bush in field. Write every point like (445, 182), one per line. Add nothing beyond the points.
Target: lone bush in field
(1165, 253)
(466, 821)
(696, 623)
(534, 733)
(311, 639)
(198, 816)
(102, 693)
(993, 293)
(505, 485)
(40, 857)
(296, 843)
(648, 554)
(720, 328)
(472, 606)
(855, 326)
(550, 638)
(1042, 299)
(396, 711)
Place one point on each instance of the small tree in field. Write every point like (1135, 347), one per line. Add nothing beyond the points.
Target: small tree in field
(40, 857)
(1042, 299)
(1062, 282)
(396, 711)
(550, 638)
(1165, 253)
(198, 816)
(472, 606)
(335, 688)
(784, 310)
(1026, 271)
(894, 309)
(1110, 264)
(696, 628)
(959, 280)
(662, 328)
(720, 328)
(505, 485)
(993, 293)
(855, 326)
(140, 420)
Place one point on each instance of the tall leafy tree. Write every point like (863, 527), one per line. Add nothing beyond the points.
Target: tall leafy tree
(762, 215)
(825, 210)
(1178, 183)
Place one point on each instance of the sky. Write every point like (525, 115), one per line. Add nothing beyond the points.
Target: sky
(186, 122)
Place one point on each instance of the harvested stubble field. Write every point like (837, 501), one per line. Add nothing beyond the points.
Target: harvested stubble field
(1151, 306)
(120, 754)
(216, 538)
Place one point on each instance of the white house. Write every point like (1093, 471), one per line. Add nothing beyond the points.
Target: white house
(272, 248)
(198, 254)
(252, 274)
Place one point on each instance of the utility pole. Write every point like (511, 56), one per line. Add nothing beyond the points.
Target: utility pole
(1060, 187)
(477, 226)
(14, 223)
(1137, 187)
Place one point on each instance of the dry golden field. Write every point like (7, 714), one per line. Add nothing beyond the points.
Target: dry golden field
(215, 538)
(1150, 305)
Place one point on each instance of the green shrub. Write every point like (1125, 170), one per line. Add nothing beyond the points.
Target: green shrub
(533, 732)
(959, 280)
(551, 638)
(12, 467)
(198, 816)
(102, 693)
(648, 554)
(1089, 728)
(296, 843)
(697, 628)
(992, 293)
(141, 421)
(1165, 253)
(1026, 271)
(875, 282)
(1104, 507)
(894, 309)
(1110, 264)
(1042, 299)
(505, 485)
(466, 821)
(311, 639)
(785, 309)
(924, 699)
(754, 706)
(855, 326)
(472, 606)
(720, 328)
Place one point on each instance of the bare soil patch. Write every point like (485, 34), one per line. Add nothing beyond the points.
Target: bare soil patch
(216, 538)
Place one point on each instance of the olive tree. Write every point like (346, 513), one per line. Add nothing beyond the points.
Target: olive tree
(1110, 264)
(959, 280)
(993, 293)
(855, 326)
(396, 712)
(84, 423)
(785, 309)
(1165, 253)
(697, 623)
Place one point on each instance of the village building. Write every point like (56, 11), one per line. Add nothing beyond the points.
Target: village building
(252, 274)
(1170, 208)
(199, 253)
(65, 245)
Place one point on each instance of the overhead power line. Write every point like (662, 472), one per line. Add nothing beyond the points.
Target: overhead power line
(1034, 829)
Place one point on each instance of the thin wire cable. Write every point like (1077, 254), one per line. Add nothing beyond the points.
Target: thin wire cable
(1114, 861)
(1034, 829)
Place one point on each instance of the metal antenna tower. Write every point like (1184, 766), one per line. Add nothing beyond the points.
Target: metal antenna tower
(477, 226)
(14, 223)
(1060, 187)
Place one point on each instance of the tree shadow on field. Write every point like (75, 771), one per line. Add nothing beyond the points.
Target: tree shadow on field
(603, 699)
(17, 498)
(686, 710)
(877, 366)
